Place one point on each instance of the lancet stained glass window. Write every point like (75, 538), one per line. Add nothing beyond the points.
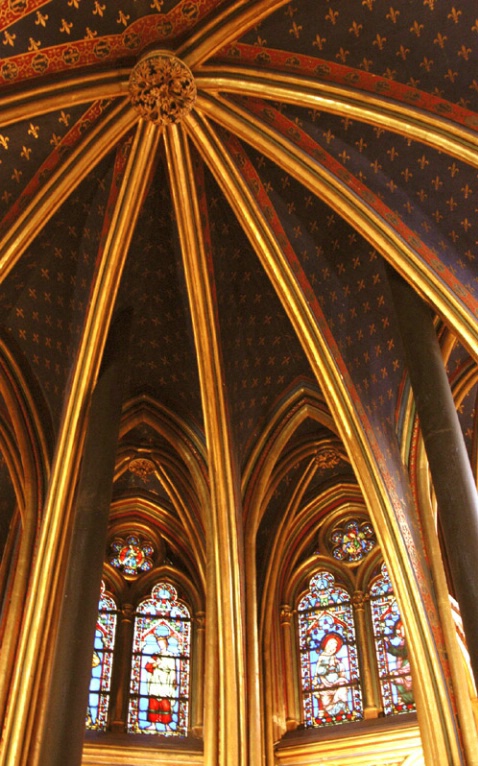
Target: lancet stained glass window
(391, 648)
(102, 663)
(328, 654)
(159, 691)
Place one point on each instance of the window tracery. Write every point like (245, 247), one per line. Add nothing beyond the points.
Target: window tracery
(102, 663)
(141, 680)
(159, 688)
(353, 657)
(391, 648)
(328, 654)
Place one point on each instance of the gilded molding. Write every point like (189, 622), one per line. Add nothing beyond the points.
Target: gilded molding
(53, 540)
(224, 483)
(417, 124)
(134, 755)
(224, 28)
(331, 379)
(95, 145)
(394, 745)
(381, 234)
(81, 89)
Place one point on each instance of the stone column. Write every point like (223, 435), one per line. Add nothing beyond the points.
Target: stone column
(366, 653)
(450, 468)
(63, 734)
(293, 715)
(197, 701)
(122, 669)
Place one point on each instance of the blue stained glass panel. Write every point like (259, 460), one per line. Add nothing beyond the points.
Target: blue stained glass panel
(159, 689)
(328, 654)
(102, 664)
(391, 648)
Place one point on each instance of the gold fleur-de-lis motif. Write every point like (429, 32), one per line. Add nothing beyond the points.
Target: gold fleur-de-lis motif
(9, 39)
(450, 75)
(454, 15)
(440, 40)
(123, 19)
(393, 15)
(416, 28)
(41, 19)
(426, 64)
(379, 41)
(319, 42)
(454, 169)
(403, 52)
(99, 9)
(331, 16)
(355, 29)
(33, 130)
(423, 162)
(342, 54)
(464, 52)
(66, 26)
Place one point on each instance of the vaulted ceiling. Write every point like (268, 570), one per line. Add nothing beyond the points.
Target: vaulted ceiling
(326, 140)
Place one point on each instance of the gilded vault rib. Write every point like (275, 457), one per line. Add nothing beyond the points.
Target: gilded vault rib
(33, 648)
(417, 124)
(50, 196)
(370, 224)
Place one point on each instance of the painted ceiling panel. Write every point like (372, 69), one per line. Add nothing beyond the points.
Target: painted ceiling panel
(261, 354)
(440, 208)
(44, 299)
(162, 357)
(348, 277)
(429, 45)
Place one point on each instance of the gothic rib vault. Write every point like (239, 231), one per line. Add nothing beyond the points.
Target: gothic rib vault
(238, 176)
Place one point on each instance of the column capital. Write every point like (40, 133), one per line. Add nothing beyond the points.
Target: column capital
(285, 614)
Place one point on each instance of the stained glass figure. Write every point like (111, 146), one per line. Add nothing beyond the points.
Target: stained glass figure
(102, 663)
(391, 648)
(131, 555)
(352, 541)
(328, 654)
(159, 691)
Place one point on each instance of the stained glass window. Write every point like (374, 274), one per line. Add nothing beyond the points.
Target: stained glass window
(102, 663)
(328, 654)
(131, 555)
(391, 648)
(352, 541)
(159, 692)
